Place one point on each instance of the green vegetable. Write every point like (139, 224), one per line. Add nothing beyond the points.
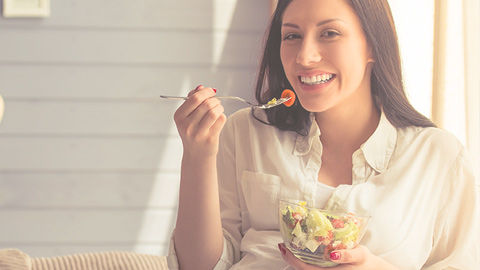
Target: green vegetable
(318, 224)
(347, 233)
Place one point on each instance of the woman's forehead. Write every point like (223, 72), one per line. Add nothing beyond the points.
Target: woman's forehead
(316, 11)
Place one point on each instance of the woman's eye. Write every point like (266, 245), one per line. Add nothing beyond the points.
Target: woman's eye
(291, 36)
(330, 34)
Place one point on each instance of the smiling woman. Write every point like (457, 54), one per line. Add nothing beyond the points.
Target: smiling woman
(351, 136)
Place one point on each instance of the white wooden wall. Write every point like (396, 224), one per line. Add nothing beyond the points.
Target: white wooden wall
(89, 155)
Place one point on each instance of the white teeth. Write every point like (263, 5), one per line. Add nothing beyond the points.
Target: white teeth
(318, 79)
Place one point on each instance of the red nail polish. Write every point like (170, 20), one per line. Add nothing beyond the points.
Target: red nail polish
(215, 90)
(282, 249)
(335, 255)
(198, 87)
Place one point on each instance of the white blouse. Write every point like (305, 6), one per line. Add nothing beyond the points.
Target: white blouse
(417, 184)
(323, 194)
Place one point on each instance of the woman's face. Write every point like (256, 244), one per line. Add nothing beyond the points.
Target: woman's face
(325, 54)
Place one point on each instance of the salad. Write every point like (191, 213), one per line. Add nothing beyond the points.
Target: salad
(318, 232)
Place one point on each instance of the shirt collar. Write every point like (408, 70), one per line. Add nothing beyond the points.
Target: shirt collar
(303, 144)
(377, 150)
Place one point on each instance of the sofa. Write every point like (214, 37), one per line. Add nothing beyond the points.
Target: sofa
(14, 259)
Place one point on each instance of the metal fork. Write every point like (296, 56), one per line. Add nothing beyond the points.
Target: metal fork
(270, 104)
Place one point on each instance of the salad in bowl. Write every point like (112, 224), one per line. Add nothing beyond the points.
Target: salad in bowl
(311, 234)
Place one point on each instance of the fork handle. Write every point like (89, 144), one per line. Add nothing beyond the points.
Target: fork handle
(173, 97)
(179, 97)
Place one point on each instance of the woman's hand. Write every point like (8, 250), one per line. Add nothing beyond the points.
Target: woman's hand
(357, 258)
(199, 121)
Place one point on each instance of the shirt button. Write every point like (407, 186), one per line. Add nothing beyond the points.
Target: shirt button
(301, 149)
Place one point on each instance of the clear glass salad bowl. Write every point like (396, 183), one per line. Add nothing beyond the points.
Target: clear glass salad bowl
(311, 234)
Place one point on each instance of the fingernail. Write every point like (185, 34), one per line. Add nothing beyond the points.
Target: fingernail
(282, 249)
(335, 255)
(198, 87)
(214, 90)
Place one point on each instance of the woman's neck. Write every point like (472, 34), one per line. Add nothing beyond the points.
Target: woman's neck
(346, 128)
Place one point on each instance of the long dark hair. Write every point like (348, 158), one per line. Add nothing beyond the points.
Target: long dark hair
(386, 81)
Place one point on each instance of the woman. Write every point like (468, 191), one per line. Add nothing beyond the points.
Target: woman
(351, 142)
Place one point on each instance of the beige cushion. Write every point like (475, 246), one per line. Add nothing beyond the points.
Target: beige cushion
(14, 259)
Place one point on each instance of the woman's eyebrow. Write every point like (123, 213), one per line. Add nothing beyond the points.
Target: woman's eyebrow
(292, 25)
(329, 21)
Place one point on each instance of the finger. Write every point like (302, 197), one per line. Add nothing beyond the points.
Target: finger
(209, 124)
(198, 88)
(205, 113)
(352, 256)
(211, 117)
(294, 261)
(194, 101)
(219, 124)
(290, 258)
(195, 90)
(199, 95)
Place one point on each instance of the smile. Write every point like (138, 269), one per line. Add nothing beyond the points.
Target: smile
(318, 79)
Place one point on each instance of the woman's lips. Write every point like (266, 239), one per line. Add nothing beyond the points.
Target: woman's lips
(316, 79)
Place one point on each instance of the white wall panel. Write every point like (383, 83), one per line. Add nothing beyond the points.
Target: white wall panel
(112, 82)
(91, 117)
(89, 154)
(125, 47)
(249, 15)
(94, 191)
(86, 226)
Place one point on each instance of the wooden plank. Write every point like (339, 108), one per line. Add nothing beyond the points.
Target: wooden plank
(128, 47)
(53, 250)
(122, 118)
(83, 154)
(128, 82)
(86, 227)
(244, 15)
(88, 190)
(90, 118)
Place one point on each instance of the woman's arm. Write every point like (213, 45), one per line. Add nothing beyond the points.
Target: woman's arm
(457, 233)
(198, 234)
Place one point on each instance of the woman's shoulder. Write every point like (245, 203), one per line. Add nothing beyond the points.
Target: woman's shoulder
(430, 138)
(254, 125)
(240, 114)
(245, 118)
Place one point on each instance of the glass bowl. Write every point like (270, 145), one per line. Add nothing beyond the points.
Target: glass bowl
(311, 234)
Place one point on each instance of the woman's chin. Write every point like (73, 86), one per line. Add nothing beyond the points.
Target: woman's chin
(313, 106)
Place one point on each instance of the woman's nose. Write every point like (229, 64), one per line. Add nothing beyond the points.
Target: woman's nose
(309, 53)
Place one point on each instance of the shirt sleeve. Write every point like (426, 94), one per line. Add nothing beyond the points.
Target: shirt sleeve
(457, 230)
(223, 263)
(229, 188)
(230, 209)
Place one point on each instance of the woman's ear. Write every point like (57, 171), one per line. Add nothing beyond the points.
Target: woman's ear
(370, 58)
